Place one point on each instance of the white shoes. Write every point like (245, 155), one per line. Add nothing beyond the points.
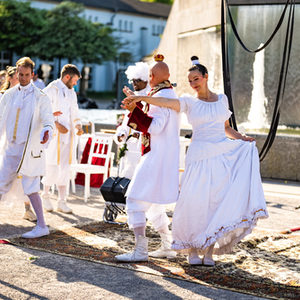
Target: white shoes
(36, 232)
(194, 260)
(209, 262)
(197, 261)
(165, 250)
(62, 207)
(29, 215)
(140, 252)
(47, 205)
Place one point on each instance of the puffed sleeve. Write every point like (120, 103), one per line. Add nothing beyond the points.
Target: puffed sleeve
(185, 103)
(224, 99)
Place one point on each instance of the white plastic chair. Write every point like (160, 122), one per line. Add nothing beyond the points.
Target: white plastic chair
(87, 169)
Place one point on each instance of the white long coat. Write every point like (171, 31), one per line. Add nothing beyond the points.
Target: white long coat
(156, 177)
(55, 93)
(33, 159)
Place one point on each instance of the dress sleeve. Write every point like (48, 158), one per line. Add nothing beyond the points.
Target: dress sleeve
(225, 100)
(184, 104)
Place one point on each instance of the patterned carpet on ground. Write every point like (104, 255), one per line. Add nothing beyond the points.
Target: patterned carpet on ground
(263, 264)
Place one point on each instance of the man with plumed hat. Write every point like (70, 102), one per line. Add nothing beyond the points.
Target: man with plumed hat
(127, 138)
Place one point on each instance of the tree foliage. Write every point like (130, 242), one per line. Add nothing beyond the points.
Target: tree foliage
(58, 33)
(20, 26)
(68, 35)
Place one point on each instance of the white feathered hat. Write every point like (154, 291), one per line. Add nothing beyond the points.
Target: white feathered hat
(138, 71)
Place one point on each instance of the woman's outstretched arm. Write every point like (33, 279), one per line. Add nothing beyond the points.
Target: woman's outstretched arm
(158, 101)
(233, 134)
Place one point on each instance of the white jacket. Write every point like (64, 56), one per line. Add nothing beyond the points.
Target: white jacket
(156, 177)
(33, 158)
(54, 92)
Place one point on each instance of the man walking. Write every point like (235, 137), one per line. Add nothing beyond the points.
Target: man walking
(26, 125)
(61, 152)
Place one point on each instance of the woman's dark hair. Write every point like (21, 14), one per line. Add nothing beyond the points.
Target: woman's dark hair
(198, 67)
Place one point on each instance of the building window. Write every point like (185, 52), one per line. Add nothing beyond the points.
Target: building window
(131, 26)
(156, 30)
(96, 19)
(125, 26)
(120, 25)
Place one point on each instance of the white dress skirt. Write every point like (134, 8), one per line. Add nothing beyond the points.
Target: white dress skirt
(221, 196)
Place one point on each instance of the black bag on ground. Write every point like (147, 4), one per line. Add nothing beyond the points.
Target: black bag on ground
(114, 189)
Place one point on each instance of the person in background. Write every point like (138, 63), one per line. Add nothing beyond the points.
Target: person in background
(127, 138)
(2, 77)
(61, 152)
(37, 79)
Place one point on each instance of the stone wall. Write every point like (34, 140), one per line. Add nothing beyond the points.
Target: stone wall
(281, 162)
(187, 19)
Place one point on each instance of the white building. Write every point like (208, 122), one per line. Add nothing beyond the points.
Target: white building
(138, 24)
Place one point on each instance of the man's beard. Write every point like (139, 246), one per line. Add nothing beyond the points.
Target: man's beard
(69, 83)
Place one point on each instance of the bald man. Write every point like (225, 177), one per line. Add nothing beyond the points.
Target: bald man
(155, 181)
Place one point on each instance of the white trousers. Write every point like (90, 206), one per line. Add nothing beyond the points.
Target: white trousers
(59, 174)
(139, 211)
(8, 167)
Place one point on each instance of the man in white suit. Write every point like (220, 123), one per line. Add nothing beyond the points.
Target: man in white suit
(26, 124)
(61, 152)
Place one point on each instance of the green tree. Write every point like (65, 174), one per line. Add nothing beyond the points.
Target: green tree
(67, 34)
(20, 27)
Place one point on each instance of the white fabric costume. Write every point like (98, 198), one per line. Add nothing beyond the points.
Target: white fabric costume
(156, 177)
(39, 83)
(62, 149)
(132, 156)
(221, 195)
(25, 114)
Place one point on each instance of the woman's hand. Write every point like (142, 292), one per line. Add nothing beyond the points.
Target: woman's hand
(129, 103)
(248, 138)
(131, 99)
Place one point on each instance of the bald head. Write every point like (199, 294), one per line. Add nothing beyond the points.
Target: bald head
(159, 73)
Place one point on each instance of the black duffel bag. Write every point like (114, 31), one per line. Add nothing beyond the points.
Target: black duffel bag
(114, 189)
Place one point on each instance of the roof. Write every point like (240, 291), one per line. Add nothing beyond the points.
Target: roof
(160, 10)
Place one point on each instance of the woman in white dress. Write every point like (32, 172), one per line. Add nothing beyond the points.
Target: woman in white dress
(221, 196)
